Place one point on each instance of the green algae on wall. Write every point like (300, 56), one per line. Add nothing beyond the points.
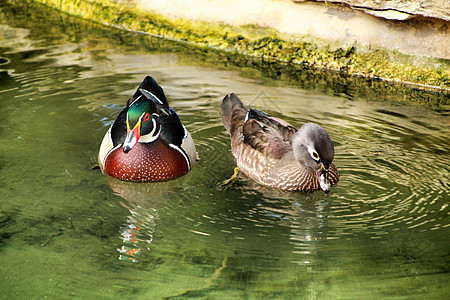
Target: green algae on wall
(265, 43)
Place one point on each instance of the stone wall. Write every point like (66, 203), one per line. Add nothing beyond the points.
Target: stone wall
(399, 9)
(346, 37)
(335, 24)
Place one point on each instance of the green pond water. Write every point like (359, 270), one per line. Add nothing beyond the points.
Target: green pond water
(67, 231)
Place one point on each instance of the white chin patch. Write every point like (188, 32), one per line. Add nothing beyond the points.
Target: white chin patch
(131, 142)
(323, 184)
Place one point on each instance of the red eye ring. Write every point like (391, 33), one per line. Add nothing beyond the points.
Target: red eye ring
(146, 117)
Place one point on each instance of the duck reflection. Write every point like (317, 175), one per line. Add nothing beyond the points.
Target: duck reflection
(306, 217)
(143, 201)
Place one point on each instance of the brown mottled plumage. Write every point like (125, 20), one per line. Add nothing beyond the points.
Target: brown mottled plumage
(274, 153)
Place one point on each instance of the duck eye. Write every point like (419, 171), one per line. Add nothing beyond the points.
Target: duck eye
(313, 154)
(146, 117)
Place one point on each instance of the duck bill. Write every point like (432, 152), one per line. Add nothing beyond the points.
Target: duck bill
(132, 137)
(322, 176)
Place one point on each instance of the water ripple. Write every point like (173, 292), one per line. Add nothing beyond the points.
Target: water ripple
(393, 173)
(73, 230)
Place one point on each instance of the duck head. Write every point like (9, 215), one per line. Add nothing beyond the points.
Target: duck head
(143, 123)
(312, 146)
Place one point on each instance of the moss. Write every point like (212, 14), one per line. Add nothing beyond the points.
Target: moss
(265, 43)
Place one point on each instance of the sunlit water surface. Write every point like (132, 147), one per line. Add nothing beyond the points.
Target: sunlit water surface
(69, 231)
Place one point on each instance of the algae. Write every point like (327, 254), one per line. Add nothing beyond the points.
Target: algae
(266, 44)
(343, 84)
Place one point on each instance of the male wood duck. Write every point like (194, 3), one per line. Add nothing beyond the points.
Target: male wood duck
(276, 154)
(147, 142)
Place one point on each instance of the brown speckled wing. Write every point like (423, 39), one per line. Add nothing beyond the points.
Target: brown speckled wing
(283, 128)
(265, 139)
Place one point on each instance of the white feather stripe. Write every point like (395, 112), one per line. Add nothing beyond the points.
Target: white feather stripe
(105, 147)
(153, 135)
(246, 117)
(189, 146)
(135, 101)
(150, 95)
(109, 152)
(182, 152)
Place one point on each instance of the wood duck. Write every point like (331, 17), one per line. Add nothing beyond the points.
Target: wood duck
(147, 142)
(276, 154)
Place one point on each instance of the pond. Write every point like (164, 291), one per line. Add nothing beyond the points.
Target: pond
(67, 231)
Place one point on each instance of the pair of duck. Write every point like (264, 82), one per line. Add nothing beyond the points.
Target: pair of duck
(148, 142)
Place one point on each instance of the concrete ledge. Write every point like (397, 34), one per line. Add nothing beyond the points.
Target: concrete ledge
(399, 9)
(318, 35)
(333, 24)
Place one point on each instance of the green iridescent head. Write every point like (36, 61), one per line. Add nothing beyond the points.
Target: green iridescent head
(143, 124)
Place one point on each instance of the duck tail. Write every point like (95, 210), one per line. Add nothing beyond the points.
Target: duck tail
(232, 110)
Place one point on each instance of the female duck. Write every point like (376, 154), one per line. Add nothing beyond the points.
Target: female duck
(147, 142)
(274, 153)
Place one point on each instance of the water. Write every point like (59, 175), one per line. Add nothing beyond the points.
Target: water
(67, 231)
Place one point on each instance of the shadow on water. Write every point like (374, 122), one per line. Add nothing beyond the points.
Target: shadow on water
(67, 230)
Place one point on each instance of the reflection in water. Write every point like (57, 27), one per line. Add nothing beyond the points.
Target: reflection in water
(143, 200)
(381, 233)
(307, 218)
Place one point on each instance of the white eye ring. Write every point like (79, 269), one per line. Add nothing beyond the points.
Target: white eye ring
(154, 134)
(313, 154)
